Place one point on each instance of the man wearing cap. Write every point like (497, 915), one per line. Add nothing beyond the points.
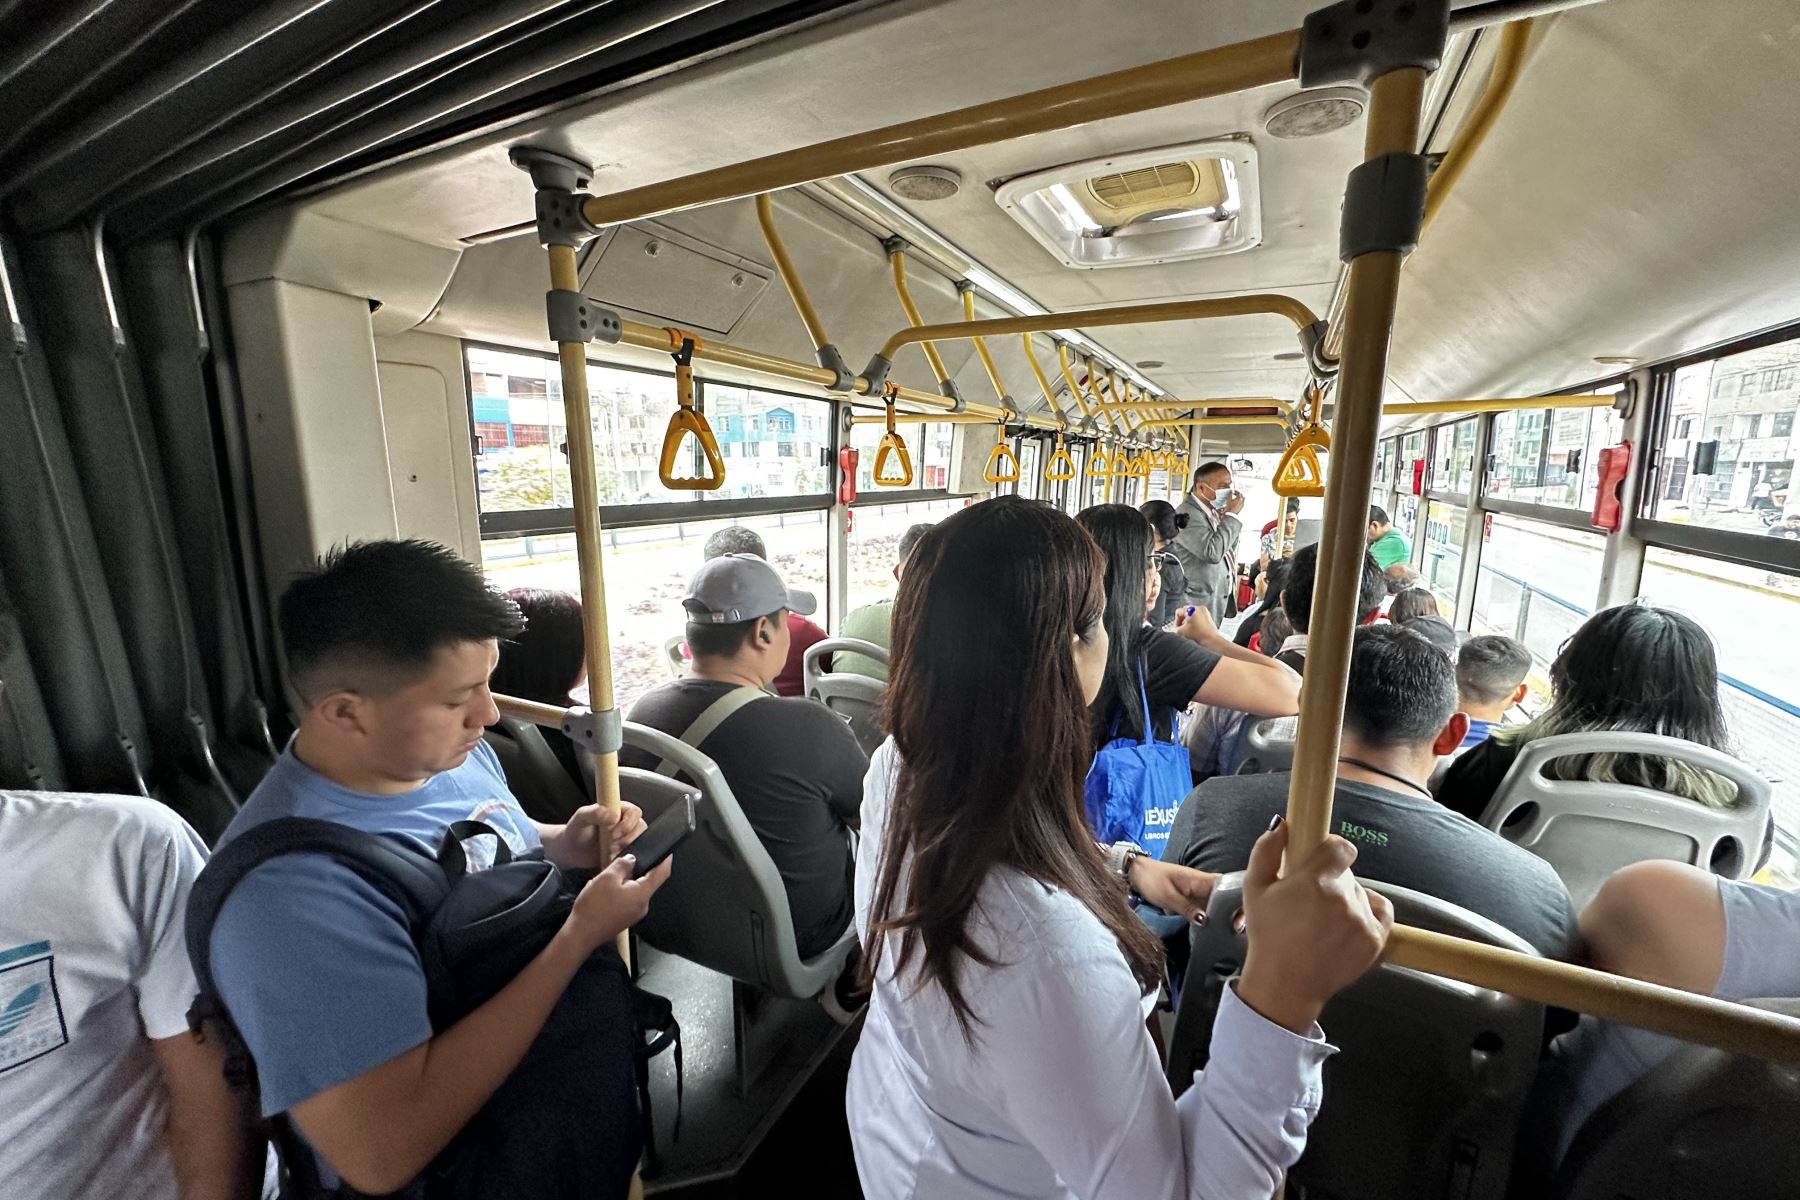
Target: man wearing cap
(792, 764)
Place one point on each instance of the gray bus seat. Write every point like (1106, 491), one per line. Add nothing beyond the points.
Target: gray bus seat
(1267, 746)
(543, 787)
(1703, 1123)
(855, 698)
(1424, 1099)
(675, 654)
(724, 906)
(1589, 830)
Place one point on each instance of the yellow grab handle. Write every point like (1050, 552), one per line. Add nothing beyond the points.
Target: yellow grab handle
(685, 421)
(1140, 467)
(1060, 466)
(1002, 463)
(1099, 465)
(892, 444)
(1298, 473)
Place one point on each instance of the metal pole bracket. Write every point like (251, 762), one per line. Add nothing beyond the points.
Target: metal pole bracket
(1358, 41)
(1384, 206)
(830, 358)
(1312, 345)
(948, 388)
(572, 317)
(596, 732)
(559, 201)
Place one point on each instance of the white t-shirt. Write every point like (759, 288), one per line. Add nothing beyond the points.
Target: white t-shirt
(93, 891)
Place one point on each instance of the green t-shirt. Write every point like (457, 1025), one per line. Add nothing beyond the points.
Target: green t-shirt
(1390, 548)
(870, 623)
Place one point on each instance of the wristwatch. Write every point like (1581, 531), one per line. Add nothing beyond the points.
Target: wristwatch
(1120, 856)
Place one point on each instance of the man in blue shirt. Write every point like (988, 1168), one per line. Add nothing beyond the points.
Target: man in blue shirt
(389, 646)
(1490, 679)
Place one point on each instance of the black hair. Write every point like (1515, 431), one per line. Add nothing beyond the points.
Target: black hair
(1124, 537)
(1413, 603)
(1490, 667)
(545, 661)
(1302, 573)
(908, 540)
(1210, 468)
(719, 641)
(1435, 630)
(1402, 688)
(1378, 515)
(734, 539)
(1277, 574)
(1164, 518)
(370, 616)
(1276, 629)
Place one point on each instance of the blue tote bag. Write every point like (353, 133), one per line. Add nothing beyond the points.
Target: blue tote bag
(1134, 787)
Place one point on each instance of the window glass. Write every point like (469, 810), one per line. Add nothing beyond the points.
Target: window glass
(773, 445)
(1550, 456)
(875, 543)
(1537, 583)
(518, 413)
(1729, 456)
(1747, 611)
(1384, 463)
(647, 573)
(1443, 552)
(1031, 479)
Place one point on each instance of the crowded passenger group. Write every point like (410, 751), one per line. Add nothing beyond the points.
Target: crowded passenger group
(1076, 750)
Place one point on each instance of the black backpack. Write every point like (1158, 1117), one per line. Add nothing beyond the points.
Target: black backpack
(570, 1119)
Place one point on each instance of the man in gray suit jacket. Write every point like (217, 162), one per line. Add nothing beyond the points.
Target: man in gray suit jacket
(1207, 548)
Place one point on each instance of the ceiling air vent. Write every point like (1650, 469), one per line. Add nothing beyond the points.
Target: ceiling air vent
(1153, 206)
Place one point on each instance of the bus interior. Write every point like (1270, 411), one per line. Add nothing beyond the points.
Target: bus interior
(274, 279)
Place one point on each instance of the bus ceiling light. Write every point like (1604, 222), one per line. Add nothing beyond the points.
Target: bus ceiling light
(925, 183)
(1311, 113)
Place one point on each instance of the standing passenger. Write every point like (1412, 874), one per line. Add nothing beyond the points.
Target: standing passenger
(1207, 548)
(1167, 524)
(1386, 544)
(1005, 1053)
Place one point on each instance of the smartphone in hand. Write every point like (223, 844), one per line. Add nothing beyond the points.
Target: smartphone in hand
(673, 826)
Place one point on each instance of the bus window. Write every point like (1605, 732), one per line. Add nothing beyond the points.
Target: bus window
(1549, 456)
(875, 543)
(1537, 583)
(1453, 456)
(929, 445)
(1728, 457)
(773, 444)
(1750, 614)
(1443, 552)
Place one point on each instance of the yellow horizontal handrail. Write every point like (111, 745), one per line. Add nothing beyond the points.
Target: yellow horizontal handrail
(1217, 72)
(1266, 303)
(1152, 406)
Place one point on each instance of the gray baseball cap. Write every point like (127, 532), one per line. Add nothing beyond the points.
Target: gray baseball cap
(741, 587)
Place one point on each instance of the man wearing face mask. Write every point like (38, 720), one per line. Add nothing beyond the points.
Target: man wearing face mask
(1207, 547)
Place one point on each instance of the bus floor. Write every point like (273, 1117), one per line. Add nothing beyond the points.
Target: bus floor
(785, 1133)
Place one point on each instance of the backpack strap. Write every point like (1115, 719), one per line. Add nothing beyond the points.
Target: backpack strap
(716, 714)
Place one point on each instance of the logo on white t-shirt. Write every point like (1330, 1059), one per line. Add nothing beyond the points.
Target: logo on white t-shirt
(31, 1018)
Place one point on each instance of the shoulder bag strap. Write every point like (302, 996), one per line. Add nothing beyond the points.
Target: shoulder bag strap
(716, 714)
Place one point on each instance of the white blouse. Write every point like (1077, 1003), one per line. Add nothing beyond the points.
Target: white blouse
(1061, 1094)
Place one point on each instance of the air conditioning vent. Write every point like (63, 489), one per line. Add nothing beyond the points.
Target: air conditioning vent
(1152, 206)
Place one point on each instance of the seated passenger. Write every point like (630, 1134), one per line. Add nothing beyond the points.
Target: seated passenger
(546, 662)
(103, 1091)
(1269, 546)
(1399, 715)
(389, 646)
(793, 765)
(1682, 927)
(1387, 545)
(874, 622)
(1268, 596)
(1490, 680)
(1005, 1053)
(1276, 629)
(1297, 599)
(1166, 523)
(802, 633)
(1413, 603)
(1628, 669)
(1435, 630)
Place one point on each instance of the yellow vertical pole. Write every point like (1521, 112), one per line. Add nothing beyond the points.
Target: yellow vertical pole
(1393, 128)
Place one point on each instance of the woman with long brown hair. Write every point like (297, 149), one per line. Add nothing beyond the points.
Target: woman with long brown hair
(1005, 1052)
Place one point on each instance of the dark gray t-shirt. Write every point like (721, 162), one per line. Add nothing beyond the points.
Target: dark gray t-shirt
(797, 773)
(1400, 839)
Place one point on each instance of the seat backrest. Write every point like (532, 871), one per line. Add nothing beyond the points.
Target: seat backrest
(675, 655)
(724, 905)
(1267, 746)
(855, 698)
(537, 778)
(1703, 1123)
(1424, 1098)
(1589, 830)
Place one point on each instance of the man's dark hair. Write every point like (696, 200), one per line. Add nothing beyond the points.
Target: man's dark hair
(909, 539)
(734, 539)
(1297, 595)
(544, 662)
(1435, 630)
(1207, 469)
(1402, 688)
(1378, 515)
(719, 641)
(1489, 667)
(370, 616)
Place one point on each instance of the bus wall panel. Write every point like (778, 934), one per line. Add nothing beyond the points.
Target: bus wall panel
(431, 446)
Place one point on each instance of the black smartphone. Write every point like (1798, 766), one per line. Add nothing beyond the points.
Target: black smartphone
(665, 833)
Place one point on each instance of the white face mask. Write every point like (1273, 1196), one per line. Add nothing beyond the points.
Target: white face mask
(1221, 498)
